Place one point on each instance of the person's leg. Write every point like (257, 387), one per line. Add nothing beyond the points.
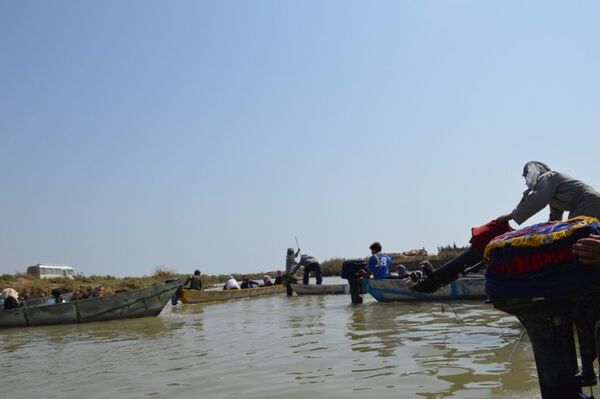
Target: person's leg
(318, 274)
(305, 277)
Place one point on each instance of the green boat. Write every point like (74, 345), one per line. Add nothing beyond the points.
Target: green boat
(142, 302)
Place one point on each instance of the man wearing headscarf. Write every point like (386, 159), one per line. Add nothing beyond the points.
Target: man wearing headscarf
(11, 298)
(558, 190)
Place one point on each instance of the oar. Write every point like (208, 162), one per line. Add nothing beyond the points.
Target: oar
(297, 245)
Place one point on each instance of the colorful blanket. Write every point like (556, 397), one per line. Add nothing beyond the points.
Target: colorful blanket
(538, 261)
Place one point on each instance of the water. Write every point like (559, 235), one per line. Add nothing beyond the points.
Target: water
(274, 347)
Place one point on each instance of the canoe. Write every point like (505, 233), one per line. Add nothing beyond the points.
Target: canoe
(201, 296)
(137, 303)
(325, 289)
(396, 290)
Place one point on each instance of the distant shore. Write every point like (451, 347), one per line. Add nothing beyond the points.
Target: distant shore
(31, 287)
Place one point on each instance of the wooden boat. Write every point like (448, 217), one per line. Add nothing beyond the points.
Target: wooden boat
(397, 290)
(324, 289)
(201, 296)
(137, 303)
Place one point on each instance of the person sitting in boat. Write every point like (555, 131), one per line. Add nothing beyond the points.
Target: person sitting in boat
(278, 278)
(56, 297)
(11, 298)
(310, 264)
(97, 292)
(247, 283)
(231, 284)
(267, 281)
(379, 262)
(195, 281)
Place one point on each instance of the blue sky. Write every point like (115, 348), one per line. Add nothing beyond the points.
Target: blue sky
(198, 134)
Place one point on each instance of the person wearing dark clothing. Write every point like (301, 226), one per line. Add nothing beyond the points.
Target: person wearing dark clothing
(354, 270)
(195, 281)
(247, 283)
(278, 278)
(311, 264)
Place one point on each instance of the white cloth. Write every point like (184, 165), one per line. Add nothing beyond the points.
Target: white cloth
(9, 292)
(232, 284)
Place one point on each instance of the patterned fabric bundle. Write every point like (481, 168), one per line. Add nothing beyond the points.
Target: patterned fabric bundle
(538, 261)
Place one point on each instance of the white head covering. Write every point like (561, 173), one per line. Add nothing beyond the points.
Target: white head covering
(267, 278)
(532, 172)
(9, 292)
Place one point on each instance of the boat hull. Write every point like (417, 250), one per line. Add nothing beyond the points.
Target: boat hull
(137, 303)
(395, 290)
(324, 289)
(202, 296)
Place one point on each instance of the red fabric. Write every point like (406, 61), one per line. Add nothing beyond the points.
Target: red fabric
(520, 264)
(482, 235)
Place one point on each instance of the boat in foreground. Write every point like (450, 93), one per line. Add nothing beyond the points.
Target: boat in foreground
(201, 296)
(397, 290)
(323, 289)
(137, 303)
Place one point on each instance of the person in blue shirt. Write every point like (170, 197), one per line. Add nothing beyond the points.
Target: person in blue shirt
(379, 262)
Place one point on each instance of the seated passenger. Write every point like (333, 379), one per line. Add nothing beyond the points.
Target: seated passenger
(247, 283)
(11, 298)
(97, 292)
(267, 281)
(56, 297)
(379, 262)
(195, 281)
(231, 284)
(279, 278)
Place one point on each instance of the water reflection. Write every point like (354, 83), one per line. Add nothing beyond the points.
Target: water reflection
(374, 329)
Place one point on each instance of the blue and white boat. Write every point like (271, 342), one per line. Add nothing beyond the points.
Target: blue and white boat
(398, 290)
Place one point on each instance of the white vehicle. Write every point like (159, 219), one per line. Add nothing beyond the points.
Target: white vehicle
(42, 270)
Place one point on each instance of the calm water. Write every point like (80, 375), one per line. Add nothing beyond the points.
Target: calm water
(274, 347)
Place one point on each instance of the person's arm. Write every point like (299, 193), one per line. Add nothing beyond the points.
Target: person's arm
(587, 250)
(555, 214)
(535, 201)
(297, 253)
(372, 263)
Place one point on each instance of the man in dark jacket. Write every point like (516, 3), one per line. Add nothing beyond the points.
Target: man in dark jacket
(247, 283)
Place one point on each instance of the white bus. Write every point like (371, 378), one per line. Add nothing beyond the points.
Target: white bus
(42, 270)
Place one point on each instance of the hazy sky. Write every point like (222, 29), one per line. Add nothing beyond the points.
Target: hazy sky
(208, 134)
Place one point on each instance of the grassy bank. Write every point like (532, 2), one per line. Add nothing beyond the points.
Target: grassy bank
(81, 286)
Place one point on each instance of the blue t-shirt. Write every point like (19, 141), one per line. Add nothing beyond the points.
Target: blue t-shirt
(379, 265)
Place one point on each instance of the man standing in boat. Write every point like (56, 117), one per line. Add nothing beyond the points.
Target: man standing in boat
(311, 264)
(290, 268)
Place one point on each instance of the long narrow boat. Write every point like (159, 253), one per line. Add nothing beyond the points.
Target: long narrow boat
(137, 303)
(396, 290)
(201, 296)
(323, 289)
